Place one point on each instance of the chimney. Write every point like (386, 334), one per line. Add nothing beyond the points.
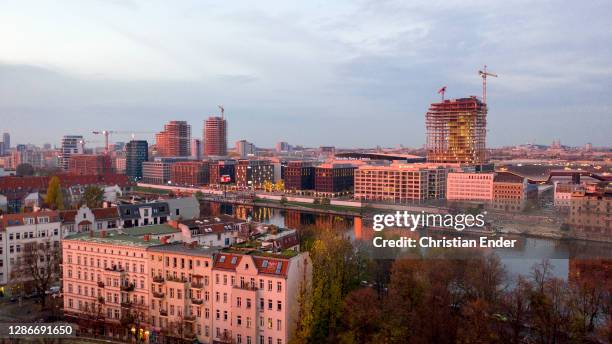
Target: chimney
(164, 240)
(147, 237)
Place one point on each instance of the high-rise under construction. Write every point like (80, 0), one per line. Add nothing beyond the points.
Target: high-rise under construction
(456, 131)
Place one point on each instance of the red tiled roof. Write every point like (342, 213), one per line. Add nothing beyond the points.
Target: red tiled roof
(105, 213)
(8, 220)
(224, 261)
(264, 265)
(272, 266)
(68, 215)
(66, 180)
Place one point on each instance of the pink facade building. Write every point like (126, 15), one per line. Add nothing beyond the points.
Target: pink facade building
(255, 297)
(129, 287)
(106, 282)
(469, 186)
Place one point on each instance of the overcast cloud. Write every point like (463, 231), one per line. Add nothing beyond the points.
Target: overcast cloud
(343, 73)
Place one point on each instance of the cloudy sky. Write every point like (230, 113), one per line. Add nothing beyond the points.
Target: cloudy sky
(343, 73)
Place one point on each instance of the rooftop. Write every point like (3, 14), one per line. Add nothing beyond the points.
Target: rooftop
(113, 237)
(182, 248)
(151, 230)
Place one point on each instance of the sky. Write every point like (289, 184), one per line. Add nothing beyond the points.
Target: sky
(341, 73)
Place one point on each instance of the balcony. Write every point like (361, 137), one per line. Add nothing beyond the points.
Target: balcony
(163, 312)
(128, 287)
(114, 268)
(176, 279)
(158, 295)
(197, 301)
(126, 304)
(197, 285)
(158, 279)
(190, 318)
(100, 284)
(246, 286)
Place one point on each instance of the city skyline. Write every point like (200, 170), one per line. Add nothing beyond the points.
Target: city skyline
(367, 70)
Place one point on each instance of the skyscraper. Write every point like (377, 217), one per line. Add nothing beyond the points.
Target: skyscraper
(71, 144)
(196, 149)
(215, 136)
(245, 148)
(137, 152)
(6, 138)
(174, 140)
(456, 131)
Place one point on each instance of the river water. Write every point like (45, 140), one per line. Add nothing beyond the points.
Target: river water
(517, 260)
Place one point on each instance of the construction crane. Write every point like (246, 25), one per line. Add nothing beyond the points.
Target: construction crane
(441, 91)
(483, 73)
(222, 110)
(107, 133)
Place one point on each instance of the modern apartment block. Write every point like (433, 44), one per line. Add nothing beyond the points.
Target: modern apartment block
(456, 131)
(190, 173)
(174, 140)
(88, 164)
(222, 172)
(21, 234)
(215, 136)
(252, 174)
(245, 148)
(156, 172)
(400, 182)
(136, 153)
(299, 175)
(469, 186)
(332, 179)
(71, 144)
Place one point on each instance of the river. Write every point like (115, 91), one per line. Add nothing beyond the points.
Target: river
(517, 260)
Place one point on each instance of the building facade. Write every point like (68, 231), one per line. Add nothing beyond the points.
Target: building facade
(222, 172)
(252, 174)
(90, 164)
(245, 148)
(136, 153)
(333, 179)
(156, 172)
(469, 186)
(191, 173)
(299, 175)
(215, 136)
(174, 140)
(590, 214)
(400, 182)
(19, 235)
(71, 144)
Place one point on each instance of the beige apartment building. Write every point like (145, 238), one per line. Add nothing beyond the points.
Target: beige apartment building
(401, 182)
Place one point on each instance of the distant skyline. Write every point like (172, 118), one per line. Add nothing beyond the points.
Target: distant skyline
(342, 73)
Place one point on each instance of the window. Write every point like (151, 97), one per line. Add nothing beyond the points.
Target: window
(269, 285)
(279, 305)
(239, 320)
(279, 287)
(269, 304)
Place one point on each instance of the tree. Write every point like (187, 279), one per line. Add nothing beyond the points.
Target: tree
(25, 170)
(283, 200)
(55, 197)
(38, 266)
(268, 186)
(199, 195)
(280, 185)
(93, 196)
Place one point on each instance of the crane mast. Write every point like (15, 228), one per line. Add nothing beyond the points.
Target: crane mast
(484, 74)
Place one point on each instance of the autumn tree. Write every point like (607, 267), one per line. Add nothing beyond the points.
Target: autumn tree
(93, 196)
(54, 197)
(38, 266)
(24, 170)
